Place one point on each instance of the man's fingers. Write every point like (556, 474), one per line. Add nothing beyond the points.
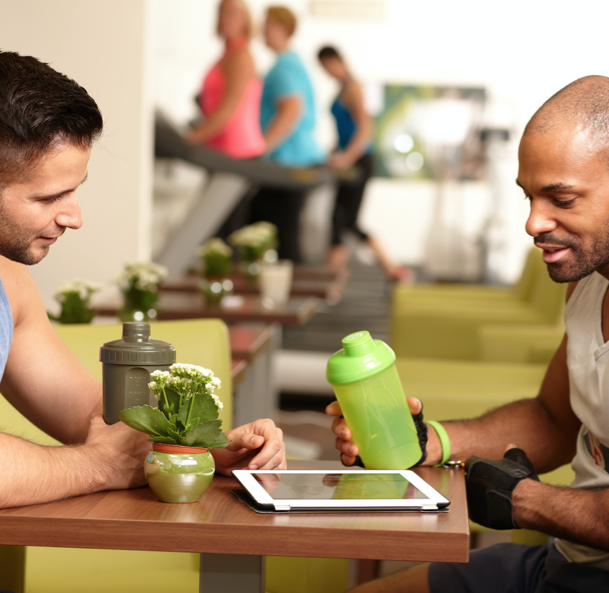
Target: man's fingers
(245, 440)
(349, 449)
(271, 456)
(348, 459)
(414, 404)
(334, 409)
(340, 429)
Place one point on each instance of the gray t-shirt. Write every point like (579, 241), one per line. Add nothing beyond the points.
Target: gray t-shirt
(588, 363)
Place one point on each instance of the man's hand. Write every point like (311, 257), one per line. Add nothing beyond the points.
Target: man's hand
(121, 451)
(490, 484)
(339, 161)
(344, 438)
(257, 445)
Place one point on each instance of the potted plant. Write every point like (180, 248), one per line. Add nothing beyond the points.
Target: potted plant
(217, 260)
(255, 243)
(74, 298)
(183, 428)
(139, 282)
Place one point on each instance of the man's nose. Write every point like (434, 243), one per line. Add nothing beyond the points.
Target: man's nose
(540, 219)
(69, 215)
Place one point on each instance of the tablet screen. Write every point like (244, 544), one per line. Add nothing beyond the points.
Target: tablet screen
(329, 486)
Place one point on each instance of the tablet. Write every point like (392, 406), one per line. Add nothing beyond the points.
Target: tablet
(387, 490)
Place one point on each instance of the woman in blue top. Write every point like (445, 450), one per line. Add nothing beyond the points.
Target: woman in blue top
(354, 127)
(287, 118)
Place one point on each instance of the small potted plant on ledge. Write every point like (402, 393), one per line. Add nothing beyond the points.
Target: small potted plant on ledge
(182, 429)
(139, 282)
(255, 242)
(217, 259)
(74, 297)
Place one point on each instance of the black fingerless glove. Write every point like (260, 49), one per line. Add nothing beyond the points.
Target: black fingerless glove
(421, 433)
(490, 483)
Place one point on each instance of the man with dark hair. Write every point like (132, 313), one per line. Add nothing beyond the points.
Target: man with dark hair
(564, 172)
(48, 124)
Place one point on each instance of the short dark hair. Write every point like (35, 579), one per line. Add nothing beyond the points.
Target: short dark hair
(40, 110)
(328, 52)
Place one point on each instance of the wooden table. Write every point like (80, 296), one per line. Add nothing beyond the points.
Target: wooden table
(233, 309)
(135, 520)
(322, 283)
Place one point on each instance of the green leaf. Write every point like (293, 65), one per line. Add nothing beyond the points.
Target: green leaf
(203, 408)
(203, 435)
(174, 435)
(221, 442)
(146, 419)
(166, 440)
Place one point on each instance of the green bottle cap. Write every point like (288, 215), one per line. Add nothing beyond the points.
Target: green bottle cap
(361, 358)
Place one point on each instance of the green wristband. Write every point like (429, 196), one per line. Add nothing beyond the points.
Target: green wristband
(444, 441)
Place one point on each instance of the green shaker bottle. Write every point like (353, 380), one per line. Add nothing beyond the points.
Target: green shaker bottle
(367, 385)
(127, 364)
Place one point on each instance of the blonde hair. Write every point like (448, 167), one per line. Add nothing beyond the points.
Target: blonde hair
(284, 16)
(246, 11)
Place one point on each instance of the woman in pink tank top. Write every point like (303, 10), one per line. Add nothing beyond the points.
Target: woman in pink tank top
(230, 97)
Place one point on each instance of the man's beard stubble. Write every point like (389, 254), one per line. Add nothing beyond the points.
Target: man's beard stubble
(15, 244)
(584, 262)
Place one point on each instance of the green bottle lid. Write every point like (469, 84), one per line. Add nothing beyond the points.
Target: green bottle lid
(361, 358)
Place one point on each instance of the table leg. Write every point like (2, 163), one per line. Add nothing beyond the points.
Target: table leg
(232, 573)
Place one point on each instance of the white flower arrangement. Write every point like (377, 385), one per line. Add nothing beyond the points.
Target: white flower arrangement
(259, 234)
(144, 276)
(214, 246)
(74, 296)
(254, 240)
(83, 288)
(188, 409)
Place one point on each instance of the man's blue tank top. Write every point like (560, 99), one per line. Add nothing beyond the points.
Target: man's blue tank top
(345, 125)
(6, 328)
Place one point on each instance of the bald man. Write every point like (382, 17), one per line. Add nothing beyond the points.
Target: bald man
(564, 173)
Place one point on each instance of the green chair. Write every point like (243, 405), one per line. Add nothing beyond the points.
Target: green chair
(520, 292)
(520, 343)
(451, 329)
(49, 570)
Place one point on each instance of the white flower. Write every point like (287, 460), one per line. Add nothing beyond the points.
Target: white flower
(141, 275)
(83, 288)
(158, 374)
(255, 235)
(214, 245)
(217, 401)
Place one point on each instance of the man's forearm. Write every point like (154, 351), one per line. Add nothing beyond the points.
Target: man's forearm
(524, 423)
(34, 473)
(576, 515)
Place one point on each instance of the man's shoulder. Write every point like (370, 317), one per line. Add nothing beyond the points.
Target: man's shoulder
(19, 286)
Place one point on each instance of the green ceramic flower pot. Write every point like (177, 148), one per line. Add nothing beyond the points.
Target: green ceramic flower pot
(178, 474)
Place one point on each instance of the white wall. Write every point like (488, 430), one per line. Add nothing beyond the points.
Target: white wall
(105, 47)
(522, 51)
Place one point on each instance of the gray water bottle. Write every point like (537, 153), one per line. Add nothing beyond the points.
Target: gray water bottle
(126, 368)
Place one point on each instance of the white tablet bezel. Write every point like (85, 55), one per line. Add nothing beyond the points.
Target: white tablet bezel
(434, 500)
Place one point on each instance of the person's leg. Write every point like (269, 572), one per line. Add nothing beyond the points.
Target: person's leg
(413, 580)
(503, 568)
(348, 203)
(283, 209)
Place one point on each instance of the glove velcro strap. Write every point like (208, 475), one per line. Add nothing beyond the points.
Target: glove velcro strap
(490, 484)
